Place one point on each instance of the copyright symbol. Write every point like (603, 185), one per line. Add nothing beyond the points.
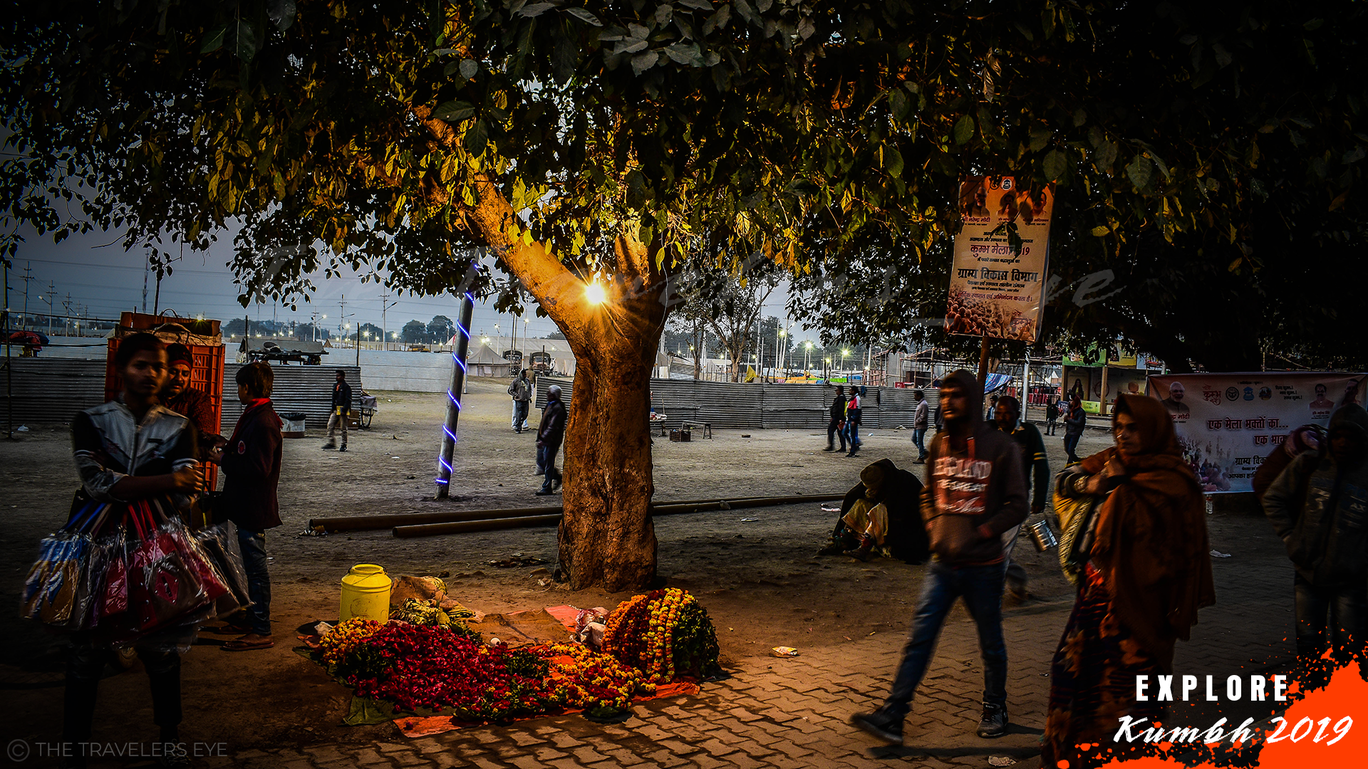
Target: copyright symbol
(17, 751)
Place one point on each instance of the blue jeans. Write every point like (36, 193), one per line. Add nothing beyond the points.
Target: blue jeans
(546, 460)
(520, 414)
(853, 434)
(918, 440)
(981, 588)
(253, 545)
(1071, 445)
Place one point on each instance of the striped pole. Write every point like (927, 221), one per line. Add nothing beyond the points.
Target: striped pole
(459, 353)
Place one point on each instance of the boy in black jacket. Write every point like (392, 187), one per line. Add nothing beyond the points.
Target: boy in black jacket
(251, 466)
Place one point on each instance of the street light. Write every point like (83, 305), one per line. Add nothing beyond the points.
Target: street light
(807, 367)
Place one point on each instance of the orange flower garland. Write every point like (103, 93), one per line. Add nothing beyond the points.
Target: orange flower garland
(345, 636)
(664, 634)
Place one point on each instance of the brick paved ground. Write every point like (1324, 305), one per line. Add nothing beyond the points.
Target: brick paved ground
(792, 712)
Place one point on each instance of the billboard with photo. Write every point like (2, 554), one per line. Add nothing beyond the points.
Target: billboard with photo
(1228, 423)
(994, 290)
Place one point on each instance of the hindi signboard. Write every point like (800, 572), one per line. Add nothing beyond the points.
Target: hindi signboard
(994, 291)
(1228, 423)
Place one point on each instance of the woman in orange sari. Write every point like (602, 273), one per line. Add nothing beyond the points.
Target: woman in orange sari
(1148, 574)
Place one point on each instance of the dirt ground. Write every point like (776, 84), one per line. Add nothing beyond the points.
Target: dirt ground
(754, 570)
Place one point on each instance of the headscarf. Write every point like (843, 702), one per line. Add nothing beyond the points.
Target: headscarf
(1151, 539)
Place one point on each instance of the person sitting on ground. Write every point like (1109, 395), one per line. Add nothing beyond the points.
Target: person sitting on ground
(881, 511)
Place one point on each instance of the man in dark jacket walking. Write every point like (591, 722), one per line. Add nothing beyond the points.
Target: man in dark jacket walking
(550, 433)
(1074, 422)
(921, 418)
(1319, 507)
(976, 492)
(836, 418)
(1051, 416)
(341, 412)
(251, 468)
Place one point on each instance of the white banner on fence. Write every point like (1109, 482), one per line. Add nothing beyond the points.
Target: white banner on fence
(1228, 423)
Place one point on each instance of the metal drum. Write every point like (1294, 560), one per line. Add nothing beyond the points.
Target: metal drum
(1042, 536)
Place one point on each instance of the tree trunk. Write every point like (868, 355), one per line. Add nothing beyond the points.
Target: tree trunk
(607, 537)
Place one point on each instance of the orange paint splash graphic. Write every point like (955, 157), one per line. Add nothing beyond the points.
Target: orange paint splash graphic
(1324, 727)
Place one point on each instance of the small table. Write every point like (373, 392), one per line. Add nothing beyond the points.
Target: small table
(659, 418)
(705, 427)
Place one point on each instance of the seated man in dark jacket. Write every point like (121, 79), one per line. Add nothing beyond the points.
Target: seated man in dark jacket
(251, 466)
(882, 511)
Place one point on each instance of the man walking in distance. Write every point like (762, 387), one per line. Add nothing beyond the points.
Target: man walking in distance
(251, 469)
(975, 493)
(835, 426)
(1036, 468)
(341, 412)
(921, 419)
(852, 420)
(1051, 416)
(549, 435)
(1317, 507)
(521, 390)
(1074, 422)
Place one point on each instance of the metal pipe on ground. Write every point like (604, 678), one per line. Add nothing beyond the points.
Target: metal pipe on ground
(375, 522)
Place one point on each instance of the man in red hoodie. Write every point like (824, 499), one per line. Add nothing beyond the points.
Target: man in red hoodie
(977, 491)
(251, 468)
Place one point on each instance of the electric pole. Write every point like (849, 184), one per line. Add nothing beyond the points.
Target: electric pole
(385, 305)
(51, 295)
(66, 305)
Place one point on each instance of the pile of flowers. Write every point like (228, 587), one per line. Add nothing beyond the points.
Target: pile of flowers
(665, 634)
(437, 667)
(342, 639)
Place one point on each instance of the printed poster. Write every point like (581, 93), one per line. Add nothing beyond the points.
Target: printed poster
(1228, 423)
(993, 291)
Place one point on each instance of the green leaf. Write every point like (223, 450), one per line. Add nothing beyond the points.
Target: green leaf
(476, 138)
(469, 67)
(893, 162)
(534, 10)
(686, 53)
(1055, 165)
(1040, 136)
(1105, 155)
(898, 104)
(1100, 230)
(215, 39)
(454, 111)
(697, 5)
(636, 189)
(245, 41)
(1139, 171)
(964, 129)
(282, 14)
(584, 16)
(644, 61)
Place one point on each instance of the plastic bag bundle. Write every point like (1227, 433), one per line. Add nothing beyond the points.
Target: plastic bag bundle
(219, 543)
(50, 591)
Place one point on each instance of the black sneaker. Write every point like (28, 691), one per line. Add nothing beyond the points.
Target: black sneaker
(829, 448)
(994, 721)
(343, 447)
(881, 724)
(543, 492)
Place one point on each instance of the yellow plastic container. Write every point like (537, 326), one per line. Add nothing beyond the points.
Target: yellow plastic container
(365, 593)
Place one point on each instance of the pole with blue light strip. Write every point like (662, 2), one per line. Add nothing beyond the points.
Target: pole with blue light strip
(459, 354)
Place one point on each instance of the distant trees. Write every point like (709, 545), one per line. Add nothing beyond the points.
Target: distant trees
(414, 332)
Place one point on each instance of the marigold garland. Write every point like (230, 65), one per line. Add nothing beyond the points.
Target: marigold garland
(665, 634)
(345, 636)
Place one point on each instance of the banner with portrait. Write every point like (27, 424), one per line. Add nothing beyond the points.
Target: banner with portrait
(1228, 423)
(994, 290)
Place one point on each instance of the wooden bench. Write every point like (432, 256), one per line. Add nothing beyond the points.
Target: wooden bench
(705, 427)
